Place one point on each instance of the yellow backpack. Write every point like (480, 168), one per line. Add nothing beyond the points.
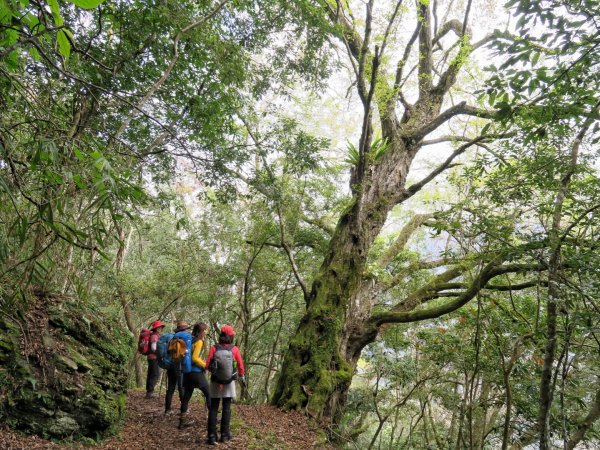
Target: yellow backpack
(177, 349)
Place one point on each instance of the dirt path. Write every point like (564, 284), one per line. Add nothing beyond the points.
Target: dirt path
(253, 427)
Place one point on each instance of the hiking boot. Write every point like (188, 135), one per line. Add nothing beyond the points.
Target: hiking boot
(169, 412)
(211, 440)
(151, 395)
(185, 421)
(226, 437)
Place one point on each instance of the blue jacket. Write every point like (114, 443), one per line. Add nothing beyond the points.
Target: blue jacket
(186, 363)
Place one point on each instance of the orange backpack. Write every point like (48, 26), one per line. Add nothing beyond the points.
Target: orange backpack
(177, 349)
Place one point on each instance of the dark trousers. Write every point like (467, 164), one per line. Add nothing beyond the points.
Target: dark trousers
(225, 416)
(191, 381)
(153, 374)
(174, 380)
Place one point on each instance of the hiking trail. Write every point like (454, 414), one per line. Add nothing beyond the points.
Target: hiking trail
(146, 427)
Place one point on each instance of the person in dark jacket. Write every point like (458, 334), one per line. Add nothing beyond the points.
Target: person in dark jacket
(193, 377)
(153, 369)
(220, 389)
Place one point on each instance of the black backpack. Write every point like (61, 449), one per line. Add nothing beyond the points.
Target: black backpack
(221, 364)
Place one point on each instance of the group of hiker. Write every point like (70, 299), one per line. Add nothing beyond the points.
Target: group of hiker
(180, 354)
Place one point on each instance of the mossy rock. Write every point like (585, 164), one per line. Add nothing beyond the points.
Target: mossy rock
(62, 370)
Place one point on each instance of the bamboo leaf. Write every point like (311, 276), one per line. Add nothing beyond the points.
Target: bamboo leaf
(87, 4)
(64, 46)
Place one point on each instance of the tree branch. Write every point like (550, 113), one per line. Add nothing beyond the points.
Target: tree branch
(425, 50)
(169, 68)
(439, 282)
(362, 56)
(491, 270)
(319, 223)
(416, 187)
(446, 138)
(419, 265)
(516, 287)
(389, 27)
(402, 239)
(292, 260)
(452, 25)
(586, 423)
(459, 109)
(404, 59)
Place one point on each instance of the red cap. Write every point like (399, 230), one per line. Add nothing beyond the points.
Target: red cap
(227, 330)
(157, 324)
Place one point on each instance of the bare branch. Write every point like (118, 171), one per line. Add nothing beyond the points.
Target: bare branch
(459, 109)
(485, 40)
(318, 222)
(446, 138)
(419, 265)
(292, 259)
(491, 270)
(364, 49)
(439, 283)
(389, 27)
(425, 50)
(517, 286)
(400, 242)
(261, 244)
(466, 19)
(452, 25)
(404, 59)
(413, 189)
(469, 110)
(448, 78)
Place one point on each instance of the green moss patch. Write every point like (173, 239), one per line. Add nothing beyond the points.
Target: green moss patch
(62, 371)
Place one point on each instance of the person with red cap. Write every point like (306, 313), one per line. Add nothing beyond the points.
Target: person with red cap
(153, 369)
(222, 382)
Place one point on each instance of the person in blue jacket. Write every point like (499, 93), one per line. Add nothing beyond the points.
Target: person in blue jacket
(193, 373)
(174, 370)
(177, 369)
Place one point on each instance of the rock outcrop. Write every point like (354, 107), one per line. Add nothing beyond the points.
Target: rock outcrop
(62, 370)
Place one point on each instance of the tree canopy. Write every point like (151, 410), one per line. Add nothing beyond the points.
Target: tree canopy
(394, 203)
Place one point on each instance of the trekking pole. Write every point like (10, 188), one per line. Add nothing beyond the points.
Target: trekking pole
(246, 389)
(162, 382)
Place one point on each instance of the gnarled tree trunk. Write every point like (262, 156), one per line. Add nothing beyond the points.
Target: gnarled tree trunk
(339, 321)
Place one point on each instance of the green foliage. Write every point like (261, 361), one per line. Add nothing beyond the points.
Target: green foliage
(77, 157)
(547, 73)
(376, 150)
(353, 157)
(102, 125)
(87, 4)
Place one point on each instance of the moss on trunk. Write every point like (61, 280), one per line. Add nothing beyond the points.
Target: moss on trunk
(315, 369)
(316, 373)
(62, 370)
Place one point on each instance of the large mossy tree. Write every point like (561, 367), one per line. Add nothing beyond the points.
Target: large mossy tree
(340, 319)
(409, 93)
(100, 104)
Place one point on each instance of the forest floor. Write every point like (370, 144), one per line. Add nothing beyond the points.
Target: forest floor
(146, 427)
